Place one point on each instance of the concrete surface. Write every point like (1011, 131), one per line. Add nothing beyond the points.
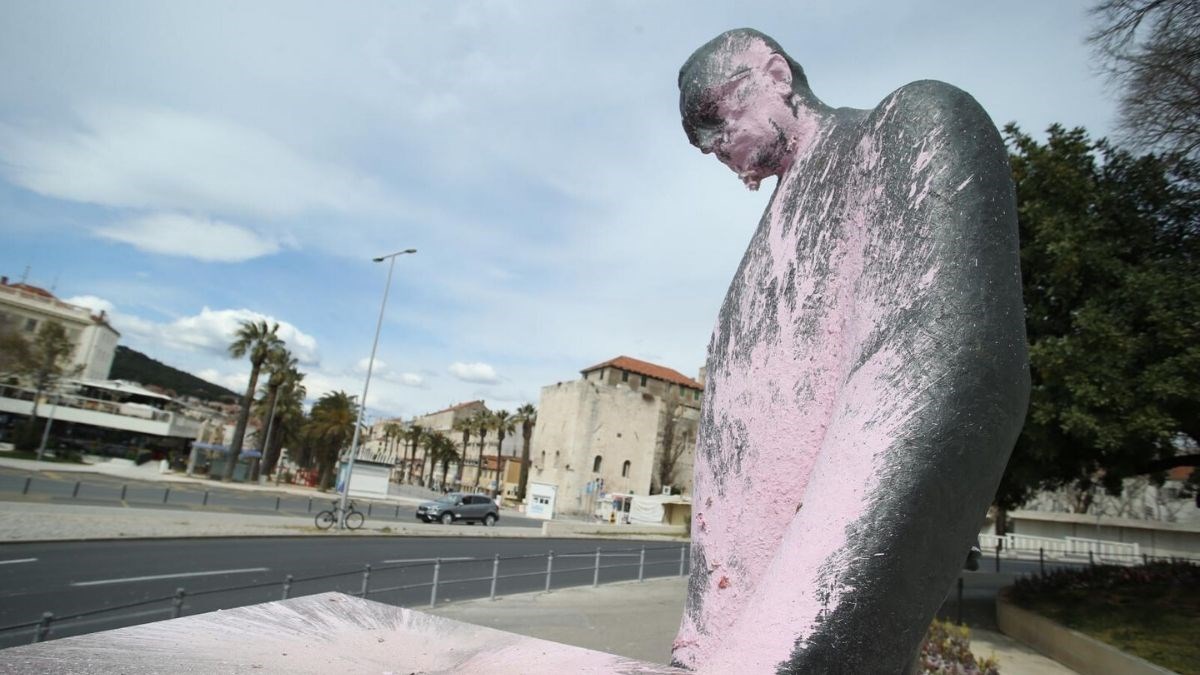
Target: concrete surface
(639, 620)
(324, 633)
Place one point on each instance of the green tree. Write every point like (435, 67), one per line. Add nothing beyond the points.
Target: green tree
(1110, 258)
(40, 362)
(257, 340)
(392, 432)
(331, 423)
(502, 422)
(1151, 51)
(413, 437)
(527, 418)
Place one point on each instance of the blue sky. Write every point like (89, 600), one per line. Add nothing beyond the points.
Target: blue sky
(189, 165)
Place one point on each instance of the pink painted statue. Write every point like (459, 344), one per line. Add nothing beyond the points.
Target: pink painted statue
(867, 376)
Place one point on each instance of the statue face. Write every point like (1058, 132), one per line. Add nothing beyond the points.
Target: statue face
(741, 121)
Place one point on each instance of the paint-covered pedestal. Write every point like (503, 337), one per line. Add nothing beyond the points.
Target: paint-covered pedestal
(325, 633)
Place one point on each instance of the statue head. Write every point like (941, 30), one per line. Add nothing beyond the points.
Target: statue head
(744, 99)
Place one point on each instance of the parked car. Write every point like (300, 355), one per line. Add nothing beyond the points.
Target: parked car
(456, 506)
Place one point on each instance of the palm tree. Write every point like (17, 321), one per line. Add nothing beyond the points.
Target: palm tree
(483, 423)
(527, 418)
(256, 339)
(393, 432)
(443, 450)
(288, 419)
(466, 426)
(413, 437)
(502, 422)
(278, 364)
(332, 423)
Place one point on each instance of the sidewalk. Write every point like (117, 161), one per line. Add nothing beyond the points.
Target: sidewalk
(39, 521)
(150, 472)
(639, 620)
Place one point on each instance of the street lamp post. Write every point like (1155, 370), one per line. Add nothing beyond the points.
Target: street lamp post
(362, 404)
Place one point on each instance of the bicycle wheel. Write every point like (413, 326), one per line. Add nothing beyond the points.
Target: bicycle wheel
(355, 520)
(325, 520)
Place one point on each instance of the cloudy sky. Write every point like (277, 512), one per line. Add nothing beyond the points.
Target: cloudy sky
(186, 166)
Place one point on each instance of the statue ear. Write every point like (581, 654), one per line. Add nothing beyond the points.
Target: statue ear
(778, 70)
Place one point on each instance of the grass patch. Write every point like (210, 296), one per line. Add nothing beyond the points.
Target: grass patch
(1152, 611)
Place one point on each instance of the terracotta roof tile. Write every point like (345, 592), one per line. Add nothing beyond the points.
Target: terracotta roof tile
(648, 369)
(458, 406)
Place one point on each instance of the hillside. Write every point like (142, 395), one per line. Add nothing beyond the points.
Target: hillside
(130, 364)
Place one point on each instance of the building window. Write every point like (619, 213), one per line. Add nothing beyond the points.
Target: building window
(624, 375)
(696, 395)
(643, 380)
(30, 325)
(596, 464)
(625, 469)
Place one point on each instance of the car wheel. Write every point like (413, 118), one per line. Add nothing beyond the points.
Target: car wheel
(489, 519)
(447, 518)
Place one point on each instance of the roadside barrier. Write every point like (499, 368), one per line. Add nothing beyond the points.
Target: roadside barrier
(400, 584)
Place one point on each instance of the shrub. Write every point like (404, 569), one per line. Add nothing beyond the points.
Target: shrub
(947, 651)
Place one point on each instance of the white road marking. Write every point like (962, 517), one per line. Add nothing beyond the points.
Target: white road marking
(407, 560)
(17, 560)
(180, 575)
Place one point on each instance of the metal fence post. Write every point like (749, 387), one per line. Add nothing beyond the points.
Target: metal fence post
(75, 492)
(1042, 561)
(369, 505)
(205, 502)
(28, 481)
(277, 499)
(366, 581)
(310, 504)
(177, 603)
(437, 569)
(958, 606)
(397, 510)
(43, 628)
(1145, 559)
(682, 553)
(126, 487)
(495, 575)
(549, 568)
(287, 586)
(1091, 558)
(999, 545)
(166, 495)
(596, 570)
(642, 565)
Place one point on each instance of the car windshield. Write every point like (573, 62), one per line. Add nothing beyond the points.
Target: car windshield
(449, 499)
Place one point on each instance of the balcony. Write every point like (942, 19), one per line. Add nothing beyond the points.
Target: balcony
(127, 416)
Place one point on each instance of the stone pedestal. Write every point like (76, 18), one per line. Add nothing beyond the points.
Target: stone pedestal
(325, 633)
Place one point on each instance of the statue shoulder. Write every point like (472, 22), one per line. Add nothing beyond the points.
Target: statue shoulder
(931, 108)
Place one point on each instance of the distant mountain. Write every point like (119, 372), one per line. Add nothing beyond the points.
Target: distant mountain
(130, 364)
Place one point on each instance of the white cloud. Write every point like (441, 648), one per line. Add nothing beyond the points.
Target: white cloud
(213, 330)
(190, 236)
(234, 381)
(92, 302)
(479, 373)
(163, 159)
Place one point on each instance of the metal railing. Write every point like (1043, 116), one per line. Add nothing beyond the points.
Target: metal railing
(195, 495)
(405, 584)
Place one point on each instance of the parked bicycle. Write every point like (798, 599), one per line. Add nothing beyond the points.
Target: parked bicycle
(327, 519)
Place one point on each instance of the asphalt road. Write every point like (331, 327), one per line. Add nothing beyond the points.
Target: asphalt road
(102, 490)
(92, 586)
(88, 586)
